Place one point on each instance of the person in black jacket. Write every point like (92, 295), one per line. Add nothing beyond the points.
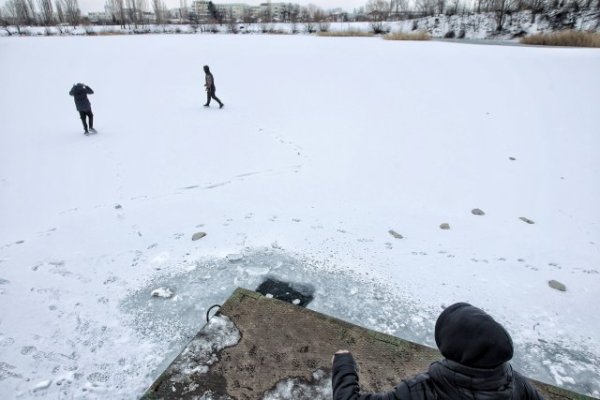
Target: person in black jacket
(476, 350)
(79, 91)
(209, 84)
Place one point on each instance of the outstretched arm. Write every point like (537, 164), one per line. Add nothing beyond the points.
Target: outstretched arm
(345, 381)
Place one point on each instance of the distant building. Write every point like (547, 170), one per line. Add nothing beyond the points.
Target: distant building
(98, 17)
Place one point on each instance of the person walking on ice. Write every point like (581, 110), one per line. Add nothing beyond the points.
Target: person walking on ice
(79, 91)
(476, 350)
(209, 84)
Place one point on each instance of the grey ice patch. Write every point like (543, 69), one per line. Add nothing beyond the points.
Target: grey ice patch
(527, 220)
(218, 334)
(395, 234)
(4, 281)
(198, 235)
(557, 285)
(318, 388)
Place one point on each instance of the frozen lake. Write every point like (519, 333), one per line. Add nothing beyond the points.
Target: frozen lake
(333, 164)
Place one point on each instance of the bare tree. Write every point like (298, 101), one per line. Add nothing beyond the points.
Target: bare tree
(71, 11)
(10, 16)
(141, 7)
(46, 12)
(19, 13)
(183, 10)
(32, 12)
(501, 8)
(60, 15)
(132, 12)
(158, 6)
(427, 7)
(398, 7)
(379, 12)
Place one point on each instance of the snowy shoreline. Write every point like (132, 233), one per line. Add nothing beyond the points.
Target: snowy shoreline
(468, 26)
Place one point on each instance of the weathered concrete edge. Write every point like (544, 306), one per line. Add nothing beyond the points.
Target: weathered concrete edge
(239, 293)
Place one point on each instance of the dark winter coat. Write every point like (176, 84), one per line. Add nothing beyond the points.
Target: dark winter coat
(209, 80)
(463, 333)
(80, 92)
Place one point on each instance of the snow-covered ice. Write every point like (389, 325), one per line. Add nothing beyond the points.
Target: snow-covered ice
(325, 147)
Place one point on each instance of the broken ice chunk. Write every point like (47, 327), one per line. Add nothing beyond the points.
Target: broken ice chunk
(165, 293)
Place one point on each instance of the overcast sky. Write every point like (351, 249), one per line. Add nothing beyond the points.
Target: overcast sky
(348, 5)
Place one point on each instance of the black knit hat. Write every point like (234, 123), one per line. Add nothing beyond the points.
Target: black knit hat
(469, 336)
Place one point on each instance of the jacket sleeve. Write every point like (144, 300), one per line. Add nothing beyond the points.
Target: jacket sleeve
(345, 382)
(529, 391)
(89, 90)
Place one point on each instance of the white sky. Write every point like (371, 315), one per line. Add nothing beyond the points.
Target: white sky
(348, 5)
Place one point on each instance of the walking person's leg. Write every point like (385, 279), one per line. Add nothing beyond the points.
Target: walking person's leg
(90, 115)
(217, 99)
(208, 95)
(82, 115)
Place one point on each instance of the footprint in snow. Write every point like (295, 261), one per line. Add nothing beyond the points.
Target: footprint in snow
(26, 350)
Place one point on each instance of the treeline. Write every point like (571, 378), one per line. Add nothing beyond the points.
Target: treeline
(60, 13)
(379, 11)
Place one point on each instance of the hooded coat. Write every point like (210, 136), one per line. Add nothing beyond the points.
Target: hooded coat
(80, 92)
(476, 350)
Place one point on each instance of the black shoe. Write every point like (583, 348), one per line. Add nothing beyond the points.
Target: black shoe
(92, 130)
(207, 105)
(221, 105)
(86, 133)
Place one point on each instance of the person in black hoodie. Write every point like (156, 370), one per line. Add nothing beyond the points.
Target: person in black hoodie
(80, 91)
(209, 84)
(476, 350)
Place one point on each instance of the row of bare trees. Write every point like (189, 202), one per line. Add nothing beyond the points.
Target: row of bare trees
(378, 11)
(139, 12)
(39, 12)
(391, 9)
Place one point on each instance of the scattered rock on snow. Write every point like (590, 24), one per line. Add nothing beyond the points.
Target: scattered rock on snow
(445, 226)
(557, 285)
(198, 235)
(42, 385)
(395, 234)
(511, 158)
(525, 219)
(234, 257)
(477, 211)
(118, 206)
(165, 293)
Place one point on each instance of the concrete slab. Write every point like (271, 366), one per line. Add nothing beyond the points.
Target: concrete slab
(261, 348)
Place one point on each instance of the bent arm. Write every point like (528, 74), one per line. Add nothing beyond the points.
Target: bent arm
(89, 90)
(345, 382)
